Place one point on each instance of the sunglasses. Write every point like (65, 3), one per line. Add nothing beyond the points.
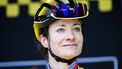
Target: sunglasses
(61, 11)
(64, 12)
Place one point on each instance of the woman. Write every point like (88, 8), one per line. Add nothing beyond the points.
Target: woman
(58, 28)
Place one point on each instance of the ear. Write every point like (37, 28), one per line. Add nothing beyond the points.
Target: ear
(44, 41)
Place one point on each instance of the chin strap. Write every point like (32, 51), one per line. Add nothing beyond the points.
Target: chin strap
(59, 59)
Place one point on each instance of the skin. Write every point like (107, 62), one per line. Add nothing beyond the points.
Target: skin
(65, 40)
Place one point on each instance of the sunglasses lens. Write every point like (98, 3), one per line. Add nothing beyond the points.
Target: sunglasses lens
(79, 10)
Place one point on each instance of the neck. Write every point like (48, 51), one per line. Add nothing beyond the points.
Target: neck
(57, 65)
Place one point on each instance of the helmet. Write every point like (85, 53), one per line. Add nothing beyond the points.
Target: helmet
(53, 10)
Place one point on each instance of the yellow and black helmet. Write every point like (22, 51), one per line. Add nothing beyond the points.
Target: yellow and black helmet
(52, 10)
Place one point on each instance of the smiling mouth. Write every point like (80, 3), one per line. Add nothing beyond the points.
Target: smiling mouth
(70, 45)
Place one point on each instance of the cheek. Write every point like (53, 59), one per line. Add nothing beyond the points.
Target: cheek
(79, 38)
(55, 40)
(56, 37)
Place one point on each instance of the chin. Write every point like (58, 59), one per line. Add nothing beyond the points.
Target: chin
(70, 56)
(73, 53)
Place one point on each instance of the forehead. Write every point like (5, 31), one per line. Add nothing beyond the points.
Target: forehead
(66, 22)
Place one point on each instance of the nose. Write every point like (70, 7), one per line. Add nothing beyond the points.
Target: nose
(70, 35)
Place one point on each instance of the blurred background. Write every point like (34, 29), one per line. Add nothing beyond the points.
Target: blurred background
(102, 37)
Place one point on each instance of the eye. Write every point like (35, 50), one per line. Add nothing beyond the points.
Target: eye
(78, 29)
(60, 30)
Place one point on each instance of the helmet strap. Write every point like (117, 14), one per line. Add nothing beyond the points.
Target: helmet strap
(59, 59)
(56, 57)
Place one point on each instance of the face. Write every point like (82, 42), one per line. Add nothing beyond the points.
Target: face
(65, 38)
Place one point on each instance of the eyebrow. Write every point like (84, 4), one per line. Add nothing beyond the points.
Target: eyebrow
(77, 24)
(62, 25)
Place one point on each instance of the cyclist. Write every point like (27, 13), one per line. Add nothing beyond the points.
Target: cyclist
(58, 26)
